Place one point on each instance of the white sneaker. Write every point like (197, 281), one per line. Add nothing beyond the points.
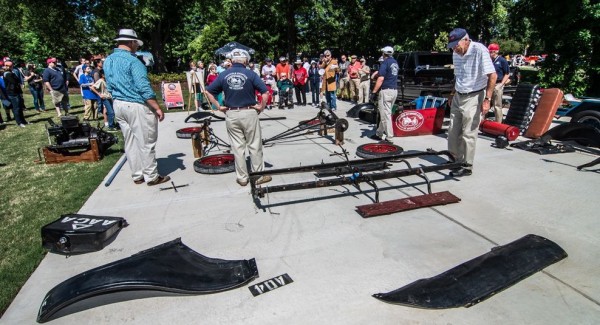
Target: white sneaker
(22, 125)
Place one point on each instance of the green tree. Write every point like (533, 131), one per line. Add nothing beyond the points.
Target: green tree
(573, 47)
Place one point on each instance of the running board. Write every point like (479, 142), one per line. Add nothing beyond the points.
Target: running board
(405, 204)
(480, 278)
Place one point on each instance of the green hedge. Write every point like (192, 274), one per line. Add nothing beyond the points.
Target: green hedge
(167, 77)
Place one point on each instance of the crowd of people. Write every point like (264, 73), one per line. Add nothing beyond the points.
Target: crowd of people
(54, 80)
(325, 78)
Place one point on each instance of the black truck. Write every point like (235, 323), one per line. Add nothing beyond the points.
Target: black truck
(424, 73)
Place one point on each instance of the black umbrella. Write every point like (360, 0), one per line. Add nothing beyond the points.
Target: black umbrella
(232, 46)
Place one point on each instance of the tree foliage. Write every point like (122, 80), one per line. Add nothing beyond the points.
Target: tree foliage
(193, 29)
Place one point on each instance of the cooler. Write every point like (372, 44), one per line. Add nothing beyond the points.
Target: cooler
(418, 122)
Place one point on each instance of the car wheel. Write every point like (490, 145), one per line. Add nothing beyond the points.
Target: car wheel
(376, 150)
(215, 164)
(591, 118)
(186, 133)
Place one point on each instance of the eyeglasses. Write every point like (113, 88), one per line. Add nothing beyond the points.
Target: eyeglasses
(328, 55)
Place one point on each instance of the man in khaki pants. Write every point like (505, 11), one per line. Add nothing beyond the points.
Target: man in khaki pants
(475, 79)
(243, 126)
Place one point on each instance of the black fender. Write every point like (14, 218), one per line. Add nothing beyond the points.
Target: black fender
(478, 279)
(198, 116)
(171, 267)
(353, 112)
(583, 134)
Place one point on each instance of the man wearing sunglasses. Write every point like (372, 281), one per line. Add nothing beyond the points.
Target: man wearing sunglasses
(475, 78)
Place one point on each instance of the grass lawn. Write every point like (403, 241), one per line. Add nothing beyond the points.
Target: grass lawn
(34, 194)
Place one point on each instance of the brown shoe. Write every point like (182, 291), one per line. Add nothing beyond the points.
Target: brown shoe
(263, 179)
(159, 180)
(139, 181)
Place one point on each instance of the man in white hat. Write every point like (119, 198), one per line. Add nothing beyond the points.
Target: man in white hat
(136, 108)
(386, 85)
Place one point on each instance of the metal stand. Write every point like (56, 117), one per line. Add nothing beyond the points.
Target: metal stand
(324, 120)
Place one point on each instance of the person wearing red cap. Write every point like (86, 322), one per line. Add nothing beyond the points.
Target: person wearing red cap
(56, 85)
(503, 72)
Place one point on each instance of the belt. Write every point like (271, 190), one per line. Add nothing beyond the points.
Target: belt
(470, 93)
(239, 108)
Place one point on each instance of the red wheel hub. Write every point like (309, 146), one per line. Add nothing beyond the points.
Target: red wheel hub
(380, 148)
(218, 160)
(191, 130)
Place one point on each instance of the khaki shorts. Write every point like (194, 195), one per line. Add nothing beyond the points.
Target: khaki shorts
(59, 97)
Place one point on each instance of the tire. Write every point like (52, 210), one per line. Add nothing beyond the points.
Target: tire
(591, 118)
(215, 164)
(376, 150)
(186, 133)
(341, 125)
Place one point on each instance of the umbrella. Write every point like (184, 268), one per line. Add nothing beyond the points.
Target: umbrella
(232, 46)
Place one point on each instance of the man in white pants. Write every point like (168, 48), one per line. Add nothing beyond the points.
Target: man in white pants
(475, 80)
(136, 108)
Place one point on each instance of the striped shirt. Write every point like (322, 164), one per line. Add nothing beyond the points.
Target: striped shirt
(471, 69)
(127, 78)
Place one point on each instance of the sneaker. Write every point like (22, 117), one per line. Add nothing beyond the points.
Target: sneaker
(111, 130)
(263, 179)
(22, 125)
(242, 182)
(375, 137)
(461, 172)
(159, 180)
(139, 181)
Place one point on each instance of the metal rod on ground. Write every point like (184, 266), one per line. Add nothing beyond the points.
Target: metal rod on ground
(114, 174)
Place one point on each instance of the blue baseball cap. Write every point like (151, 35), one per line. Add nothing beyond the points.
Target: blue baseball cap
(455, 36)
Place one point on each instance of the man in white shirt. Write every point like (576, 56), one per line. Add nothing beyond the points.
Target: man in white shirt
(475, 77)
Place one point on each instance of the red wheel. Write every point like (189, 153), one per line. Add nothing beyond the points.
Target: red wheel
(309, 124)
(186, 133)
(375, 150)
(215, 164)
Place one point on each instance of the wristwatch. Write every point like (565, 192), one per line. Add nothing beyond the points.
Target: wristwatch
(487, 98)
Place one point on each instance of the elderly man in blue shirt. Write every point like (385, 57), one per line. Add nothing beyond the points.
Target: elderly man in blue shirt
(135, 106)
(243, 126)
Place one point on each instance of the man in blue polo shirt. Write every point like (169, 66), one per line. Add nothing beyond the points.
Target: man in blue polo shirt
(135, 106)
(387, 83)
(56, 85)
(243, 126)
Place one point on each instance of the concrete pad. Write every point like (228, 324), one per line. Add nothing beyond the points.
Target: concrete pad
(337, 259)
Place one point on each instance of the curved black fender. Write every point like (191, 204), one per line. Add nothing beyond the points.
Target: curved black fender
(171, 267)
(583, 134)
(478, 279)
(353, 112)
